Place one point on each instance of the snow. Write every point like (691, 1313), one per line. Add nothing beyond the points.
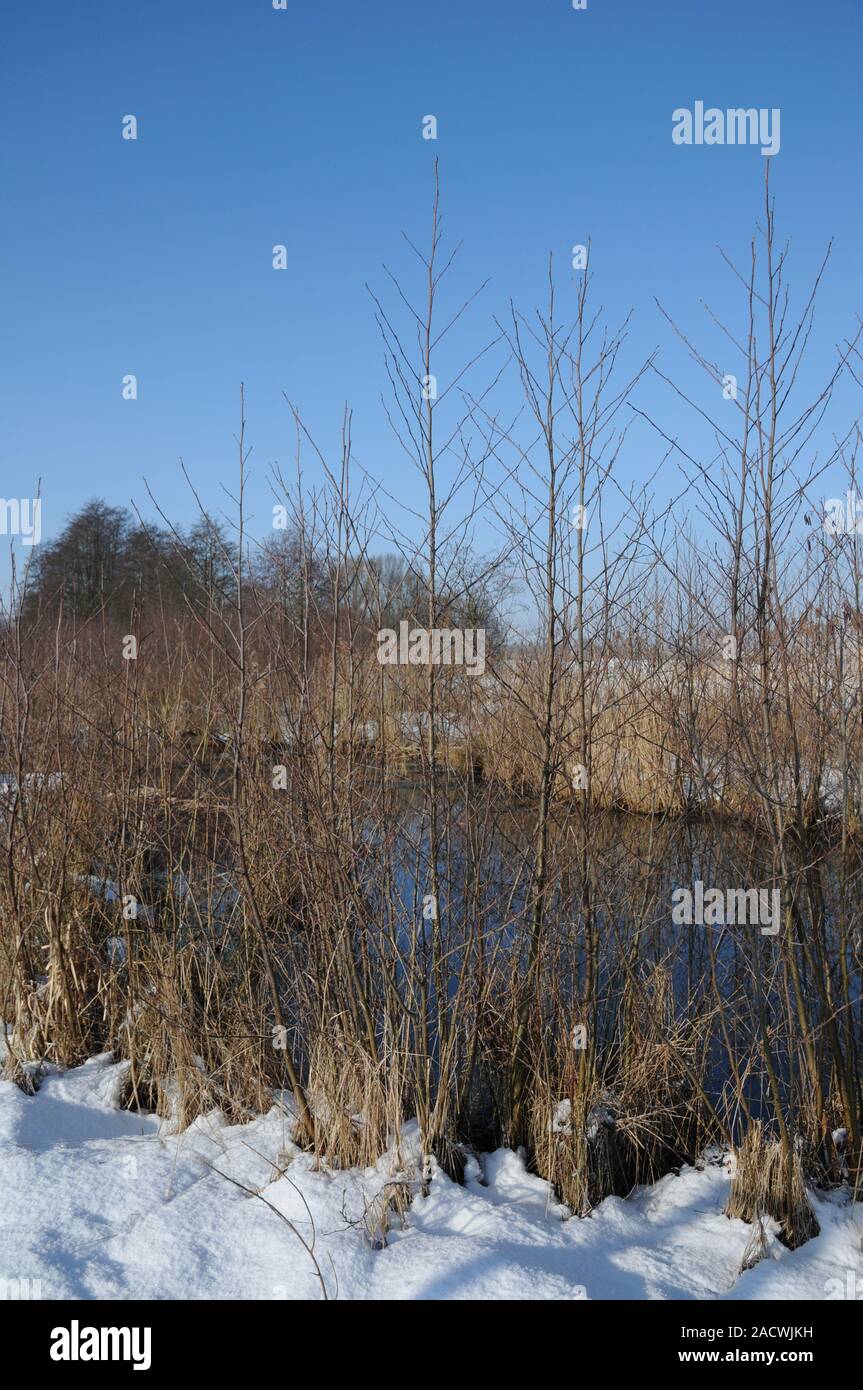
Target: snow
(97, 1202)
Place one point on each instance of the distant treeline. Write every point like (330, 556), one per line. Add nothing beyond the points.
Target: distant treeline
(105, 562)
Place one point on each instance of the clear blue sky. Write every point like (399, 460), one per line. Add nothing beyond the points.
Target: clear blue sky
(259, 126)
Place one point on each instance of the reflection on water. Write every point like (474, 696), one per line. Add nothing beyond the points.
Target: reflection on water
(621, 890)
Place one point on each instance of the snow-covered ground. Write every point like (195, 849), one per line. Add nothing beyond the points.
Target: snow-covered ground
(96, 1202)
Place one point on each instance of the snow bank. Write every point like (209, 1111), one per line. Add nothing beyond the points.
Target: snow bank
(96, 1202)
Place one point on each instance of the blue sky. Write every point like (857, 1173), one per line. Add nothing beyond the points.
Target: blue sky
(303, 127)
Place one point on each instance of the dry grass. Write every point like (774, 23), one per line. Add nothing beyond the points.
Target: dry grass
(765, 1183)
